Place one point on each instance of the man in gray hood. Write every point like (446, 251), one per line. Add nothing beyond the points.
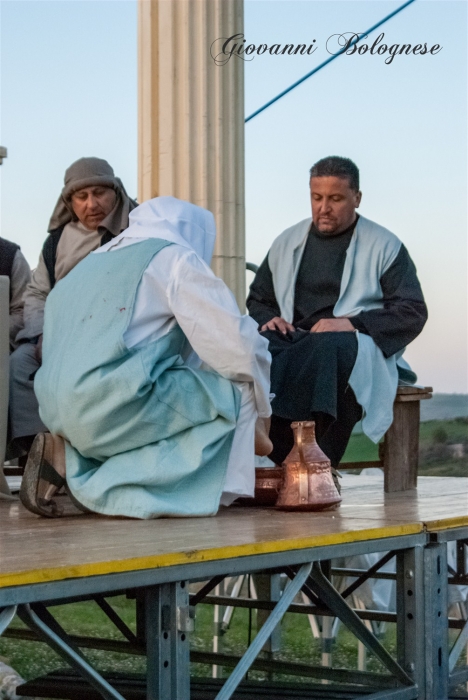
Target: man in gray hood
(93, 207)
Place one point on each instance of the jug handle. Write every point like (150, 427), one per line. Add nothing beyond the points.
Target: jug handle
(299, 443)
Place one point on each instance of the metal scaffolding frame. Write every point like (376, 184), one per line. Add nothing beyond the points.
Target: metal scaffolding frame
(425, 666)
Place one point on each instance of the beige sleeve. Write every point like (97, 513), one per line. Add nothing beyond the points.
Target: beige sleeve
(35, 297)
(20, 277)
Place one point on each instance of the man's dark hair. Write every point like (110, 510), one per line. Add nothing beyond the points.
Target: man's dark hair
(335, 166)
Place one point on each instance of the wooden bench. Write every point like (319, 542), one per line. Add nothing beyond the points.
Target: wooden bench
(399, 451)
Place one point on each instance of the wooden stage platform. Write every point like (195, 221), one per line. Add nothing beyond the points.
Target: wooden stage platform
(43, 562)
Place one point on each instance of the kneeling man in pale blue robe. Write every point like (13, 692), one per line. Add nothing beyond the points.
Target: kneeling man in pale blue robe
(152, 381)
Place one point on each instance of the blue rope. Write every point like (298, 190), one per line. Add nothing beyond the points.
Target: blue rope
(332, 58)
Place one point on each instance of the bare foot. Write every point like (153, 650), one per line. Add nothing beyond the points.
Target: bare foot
(263, 444)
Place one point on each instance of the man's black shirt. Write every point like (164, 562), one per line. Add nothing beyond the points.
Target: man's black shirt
(318, 285)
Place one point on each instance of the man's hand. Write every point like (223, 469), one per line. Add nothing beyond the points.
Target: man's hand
(38, 351)
(278, 324)
(333, 325)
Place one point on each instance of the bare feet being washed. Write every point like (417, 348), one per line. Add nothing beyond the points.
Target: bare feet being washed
(263, 444)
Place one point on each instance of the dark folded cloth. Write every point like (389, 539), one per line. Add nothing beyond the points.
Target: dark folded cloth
(309, 371)
(309, 375)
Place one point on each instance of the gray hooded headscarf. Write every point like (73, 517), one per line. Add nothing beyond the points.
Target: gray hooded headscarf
(87, 172)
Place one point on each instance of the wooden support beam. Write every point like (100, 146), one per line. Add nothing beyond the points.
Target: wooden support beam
(400, 449)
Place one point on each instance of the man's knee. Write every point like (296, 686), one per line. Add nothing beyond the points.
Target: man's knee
(341, 341)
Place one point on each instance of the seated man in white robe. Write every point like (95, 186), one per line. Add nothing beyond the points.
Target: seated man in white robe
(153, 385)
(338, 299)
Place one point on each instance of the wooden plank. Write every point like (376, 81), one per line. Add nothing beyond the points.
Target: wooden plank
(446, 523)
(439, 502)
(414, 390)
(46, 574)
(412, 397)
(37, 550)
(401, 448)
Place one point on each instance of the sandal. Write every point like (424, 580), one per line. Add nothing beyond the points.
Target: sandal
(41, 481)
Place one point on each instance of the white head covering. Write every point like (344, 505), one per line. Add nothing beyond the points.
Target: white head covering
(177, 221)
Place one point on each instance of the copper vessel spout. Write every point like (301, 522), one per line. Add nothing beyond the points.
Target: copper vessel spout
(308, 483)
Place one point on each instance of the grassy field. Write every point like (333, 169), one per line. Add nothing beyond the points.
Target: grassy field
(298, 645)
(32, 659)
(435, 437)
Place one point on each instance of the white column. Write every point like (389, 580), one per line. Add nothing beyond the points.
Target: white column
(191, 119)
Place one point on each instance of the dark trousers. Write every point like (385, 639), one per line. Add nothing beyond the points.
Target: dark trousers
(309, 376)
(332, 437)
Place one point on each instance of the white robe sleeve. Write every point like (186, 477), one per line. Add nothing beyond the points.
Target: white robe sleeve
(224, 339)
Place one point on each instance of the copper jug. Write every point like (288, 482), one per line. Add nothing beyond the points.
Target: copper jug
(308, 483)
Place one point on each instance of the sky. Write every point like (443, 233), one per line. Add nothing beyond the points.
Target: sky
(68, 88)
